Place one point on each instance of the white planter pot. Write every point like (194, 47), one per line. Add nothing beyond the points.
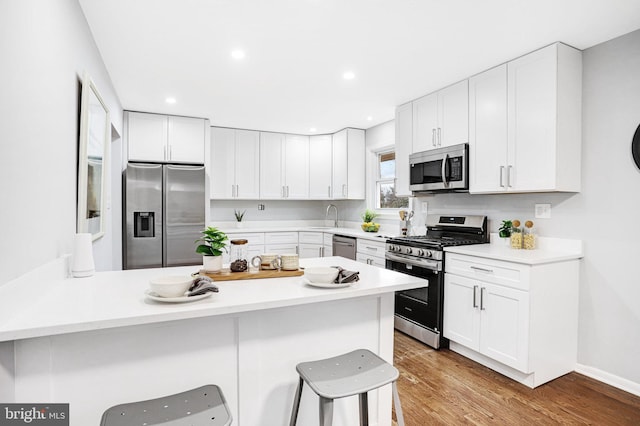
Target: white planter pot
(239, 225)
(212, 263)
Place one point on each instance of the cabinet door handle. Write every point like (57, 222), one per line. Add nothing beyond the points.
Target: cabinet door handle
(282, 191)
(329, 191)
(502, 176)
(344, 189)
(482, 298)
(321, 252)
(287, 191)
(509, 176)
(475, 290)
(477, 268)
(439, 136)
(233, 191)
(371, 248)
(170, 152)
(164, 154)
(433, 137)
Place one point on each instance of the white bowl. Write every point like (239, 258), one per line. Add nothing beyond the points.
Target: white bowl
(321, 274)
(170, 285)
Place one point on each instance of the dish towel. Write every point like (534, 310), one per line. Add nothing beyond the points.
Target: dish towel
(345, 276)
(202, 285)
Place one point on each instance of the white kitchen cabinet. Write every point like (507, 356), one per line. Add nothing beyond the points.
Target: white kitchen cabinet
(235, 163)
(441, 118)
(403, 147)
(165, 138)
(518, 319)
(370, 252)
(487, 318)
(310, 243)
(542, 112)
(327, 248)
(348, 165)
(320, 167)
(281, 242)
(284, 166)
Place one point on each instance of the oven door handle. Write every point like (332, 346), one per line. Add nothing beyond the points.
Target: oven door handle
(433, 265)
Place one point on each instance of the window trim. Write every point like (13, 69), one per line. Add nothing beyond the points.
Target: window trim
(375, 179)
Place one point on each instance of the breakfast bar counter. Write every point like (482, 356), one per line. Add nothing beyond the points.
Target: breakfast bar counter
(99, 341)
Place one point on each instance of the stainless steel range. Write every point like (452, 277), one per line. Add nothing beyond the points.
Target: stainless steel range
(418, 312)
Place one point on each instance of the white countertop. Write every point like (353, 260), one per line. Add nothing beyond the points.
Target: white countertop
(352, 232)
(117, 299)
(550, 250)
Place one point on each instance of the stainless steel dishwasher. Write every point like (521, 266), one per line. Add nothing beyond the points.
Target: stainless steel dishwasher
(344, 246)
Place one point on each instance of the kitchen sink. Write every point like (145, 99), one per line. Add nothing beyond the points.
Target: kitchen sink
(321, 227)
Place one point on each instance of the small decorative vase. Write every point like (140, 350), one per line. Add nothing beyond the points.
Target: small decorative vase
(239, 225)
(212, 263)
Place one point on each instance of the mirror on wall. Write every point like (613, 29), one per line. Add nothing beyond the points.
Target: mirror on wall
(92, 160)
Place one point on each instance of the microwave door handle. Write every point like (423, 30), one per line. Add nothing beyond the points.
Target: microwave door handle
(444, 170)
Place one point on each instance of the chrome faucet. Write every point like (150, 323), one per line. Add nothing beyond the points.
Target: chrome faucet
(335, 222)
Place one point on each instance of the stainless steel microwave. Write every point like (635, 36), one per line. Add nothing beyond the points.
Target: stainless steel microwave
(440, 170)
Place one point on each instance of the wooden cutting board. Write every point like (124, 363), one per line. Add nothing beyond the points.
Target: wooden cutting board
(227, 275)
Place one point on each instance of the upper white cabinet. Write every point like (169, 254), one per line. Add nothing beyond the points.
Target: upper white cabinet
(234, 165)
(403, 147)
(441, 118)
(348, 164)
(284, 166)
(536, 101)
(320, 167)
(162, 138)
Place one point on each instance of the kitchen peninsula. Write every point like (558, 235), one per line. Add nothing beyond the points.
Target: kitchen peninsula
(96, 342)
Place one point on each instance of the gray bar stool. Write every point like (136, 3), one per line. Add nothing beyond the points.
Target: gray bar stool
(201, 406)
(353, 373)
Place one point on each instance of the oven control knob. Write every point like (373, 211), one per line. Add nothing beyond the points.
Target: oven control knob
(429, 253)
(408, 250)
(421, 252)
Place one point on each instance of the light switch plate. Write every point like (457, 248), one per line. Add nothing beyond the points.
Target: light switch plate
(543, 211)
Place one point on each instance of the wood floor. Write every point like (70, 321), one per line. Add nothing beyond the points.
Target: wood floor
(444, 388)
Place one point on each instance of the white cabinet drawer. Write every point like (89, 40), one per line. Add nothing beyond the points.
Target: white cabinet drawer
(253, 238)
(328, 239)
(281, 248)
(310, 237)
(370, 260)
(281, 238)
(371, 248)
(508, 274)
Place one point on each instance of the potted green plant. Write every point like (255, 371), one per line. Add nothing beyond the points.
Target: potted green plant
(367, 218)
(213, 243)
(239, 215)
(504, 231)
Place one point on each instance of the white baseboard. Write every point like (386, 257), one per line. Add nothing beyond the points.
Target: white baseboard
(610, 379)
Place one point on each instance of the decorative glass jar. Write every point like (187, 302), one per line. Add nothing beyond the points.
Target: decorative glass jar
(516, 235)
(529, 237)
(238, 255)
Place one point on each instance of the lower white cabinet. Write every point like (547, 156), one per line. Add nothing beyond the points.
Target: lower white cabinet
(281, 242)
(310, 244)
(370, 252)
(327, 248)
(488, 318)
(518, 319)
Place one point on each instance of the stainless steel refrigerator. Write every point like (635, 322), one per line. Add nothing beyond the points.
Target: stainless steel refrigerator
(164, 206)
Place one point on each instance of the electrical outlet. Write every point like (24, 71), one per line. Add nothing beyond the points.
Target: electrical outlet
(260, 206)
(543, 211)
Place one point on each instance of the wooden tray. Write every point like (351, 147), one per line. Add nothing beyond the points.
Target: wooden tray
(227, 275)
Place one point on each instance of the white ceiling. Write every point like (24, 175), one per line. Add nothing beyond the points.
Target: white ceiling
(297, 51)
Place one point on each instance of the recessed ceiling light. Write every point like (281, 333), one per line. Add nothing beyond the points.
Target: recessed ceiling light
(238, 54)
(313, 129)
(369, 118)
(348, 75)
(170, 100)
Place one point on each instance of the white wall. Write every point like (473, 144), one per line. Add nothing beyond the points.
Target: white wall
(604, 214)
(45, 46)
